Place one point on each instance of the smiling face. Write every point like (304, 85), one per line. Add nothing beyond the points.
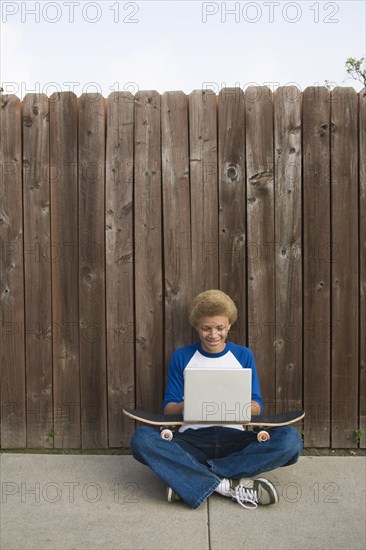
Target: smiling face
(212, 332)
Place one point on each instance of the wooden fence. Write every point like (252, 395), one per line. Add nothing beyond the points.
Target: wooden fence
(116, 212)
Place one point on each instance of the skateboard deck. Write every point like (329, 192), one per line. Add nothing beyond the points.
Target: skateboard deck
(263, 420)
(172, 420)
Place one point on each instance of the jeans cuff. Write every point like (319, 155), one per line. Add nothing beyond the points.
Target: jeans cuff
(206, 494)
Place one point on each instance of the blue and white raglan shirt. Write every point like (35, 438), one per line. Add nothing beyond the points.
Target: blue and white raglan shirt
(193, 356)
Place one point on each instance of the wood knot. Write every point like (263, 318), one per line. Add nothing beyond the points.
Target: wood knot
(27, 121)
(232, 171)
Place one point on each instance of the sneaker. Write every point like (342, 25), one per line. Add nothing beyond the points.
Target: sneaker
(171, 496)
(251, 492)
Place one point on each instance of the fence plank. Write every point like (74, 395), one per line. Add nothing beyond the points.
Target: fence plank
(204, 200)
(288, 247)
(362, 247)
(260, 231)
(119, 266)
(344, 160)
(232, 214)
(148, 250)
(176, 216)
(317, 244)
(64, 258)
(37, 265)
(91, 164)
(13, 414)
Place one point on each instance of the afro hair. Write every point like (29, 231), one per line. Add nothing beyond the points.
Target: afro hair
(211, 303)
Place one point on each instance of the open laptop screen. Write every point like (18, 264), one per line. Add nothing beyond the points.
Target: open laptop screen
(217, 395)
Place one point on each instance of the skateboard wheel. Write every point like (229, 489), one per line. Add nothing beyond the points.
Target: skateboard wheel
(167, 435)
(263, 436)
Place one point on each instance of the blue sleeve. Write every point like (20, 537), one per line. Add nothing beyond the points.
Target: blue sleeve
(256, 391)
(174, 392)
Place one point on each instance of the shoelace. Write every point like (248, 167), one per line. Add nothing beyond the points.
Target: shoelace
(246, 497)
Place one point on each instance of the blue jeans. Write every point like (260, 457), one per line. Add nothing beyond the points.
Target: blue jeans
(194, 462)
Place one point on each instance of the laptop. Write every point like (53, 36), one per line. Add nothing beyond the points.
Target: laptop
(217, 395)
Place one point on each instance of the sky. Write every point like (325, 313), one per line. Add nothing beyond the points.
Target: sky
(107, 46)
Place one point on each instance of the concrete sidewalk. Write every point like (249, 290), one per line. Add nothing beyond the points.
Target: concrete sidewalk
(111, 502)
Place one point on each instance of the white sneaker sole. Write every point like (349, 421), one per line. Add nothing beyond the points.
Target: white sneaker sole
(171, 496)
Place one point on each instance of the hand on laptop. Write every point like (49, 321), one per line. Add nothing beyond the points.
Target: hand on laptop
(174, 408)
(255, 408)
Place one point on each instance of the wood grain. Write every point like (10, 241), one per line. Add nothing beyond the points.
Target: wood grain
(148, 252)
(288, 248)
(64, 252)
(120, 266)
(345, 306)
(177, 221)
(261, 238)
(317, 266)
(204, 190)
(362, 248)
(13, 391)
(232, 211)
(37, 266)
(91, 163)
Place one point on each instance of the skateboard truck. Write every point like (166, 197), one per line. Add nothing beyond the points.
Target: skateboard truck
(167, 434)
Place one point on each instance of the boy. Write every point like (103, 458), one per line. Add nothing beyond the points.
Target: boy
(202, 459)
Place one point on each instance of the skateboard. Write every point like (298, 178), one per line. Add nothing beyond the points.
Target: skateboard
(167, 421)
